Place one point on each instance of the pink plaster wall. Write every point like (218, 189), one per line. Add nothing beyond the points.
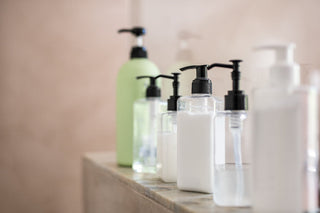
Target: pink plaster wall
(58, 66)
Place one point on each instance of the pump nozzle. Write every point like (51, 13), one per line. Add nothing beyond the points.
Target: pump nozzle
(235, 99)
(172, 101)
(201, 84)
(137, 51)
(153, 91)
(137, 31)
(284, 72)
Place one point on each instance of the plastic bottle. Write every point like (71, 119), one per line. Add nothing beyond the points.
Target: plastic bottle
(167, 137)
(146, 112)
(183, 57)
(195, 135)
(285, 134)
(128, 91)
(232, 178)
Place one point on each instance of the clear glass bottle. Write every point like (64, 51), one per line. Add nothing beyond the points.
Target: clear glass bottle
(232, 178)
(146, 114)
(146, 119)
(232, 174)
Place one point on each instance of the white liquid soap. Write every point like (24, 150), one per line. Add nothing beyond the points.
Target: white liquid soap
(195, 137)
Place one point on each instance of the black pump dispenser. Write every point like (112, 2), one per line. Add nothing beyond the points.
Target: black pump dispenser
(201, 84)
(172, 101)
(235, 99)
(153, 91)
(137, 51)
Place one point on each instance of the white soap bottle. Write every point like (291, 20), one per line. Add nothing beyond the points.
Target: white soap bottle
(167, 137)
(195, 134)
(285, 137)
(146, 113)
(232, 178)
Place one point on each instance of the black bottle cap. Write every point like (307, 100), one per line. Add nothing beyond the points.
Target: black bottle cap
(235, 99)
(201, 84)
(136, 51)
(153, 91)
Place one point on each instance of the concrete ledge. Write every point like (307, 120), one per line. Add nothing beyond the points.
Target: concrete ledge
(109, 188)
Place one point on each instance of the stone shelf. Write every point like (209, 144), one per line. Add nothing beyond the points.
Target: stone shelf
(109, 188)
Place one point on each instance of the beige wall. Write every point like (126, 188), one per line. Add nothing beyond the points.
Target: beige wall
(58, 65)
(230, 29)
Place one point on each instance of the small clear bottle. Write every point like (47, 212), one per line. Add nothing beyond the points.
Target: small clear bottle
(167, 138)
(146, 113)
(232, 176)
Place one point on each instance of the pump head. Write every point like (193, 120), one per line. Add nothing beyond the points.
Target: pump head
(284, 72)
(235, 99)
(137, 51)
(201, 84)
(172, 101)
(137, 31)
(153, 91)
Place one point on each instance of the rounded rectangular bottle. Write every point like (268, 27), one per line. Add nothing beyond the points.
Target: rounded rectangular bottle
(195, 142)
(285, 140)
(167, 147)
(146, 121)
(232, 178)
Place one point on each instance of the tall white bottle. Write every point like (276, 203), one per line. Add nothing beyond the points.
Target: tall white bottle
(195, 135)
(285, 137)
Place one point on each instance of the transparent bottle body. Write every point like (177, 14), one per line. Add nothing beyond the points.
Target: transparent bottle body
(285, 150)
(146, 121)
(167, 147)
(232, 177)
(195, 136)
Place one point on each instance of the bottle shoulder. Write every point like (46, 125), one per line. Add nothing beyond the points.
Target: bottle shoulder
(140, 65)
(200, 98)
(172, 114)
(147, 101)
(200, 103)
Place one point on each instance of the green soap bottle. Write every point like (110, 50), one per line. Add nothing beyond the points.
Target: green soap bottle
(128, 91)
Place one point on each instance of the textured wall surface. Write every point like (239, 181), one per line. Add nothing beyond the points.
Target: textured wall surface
(58, 65)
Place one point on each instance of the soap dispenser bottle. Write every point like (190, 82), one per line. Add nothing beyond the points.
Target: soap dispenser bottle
(285, 139)
(128, 91)
(183, 57)
(167, 137)
(195, 134)
(146, 119)
(232, 177)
